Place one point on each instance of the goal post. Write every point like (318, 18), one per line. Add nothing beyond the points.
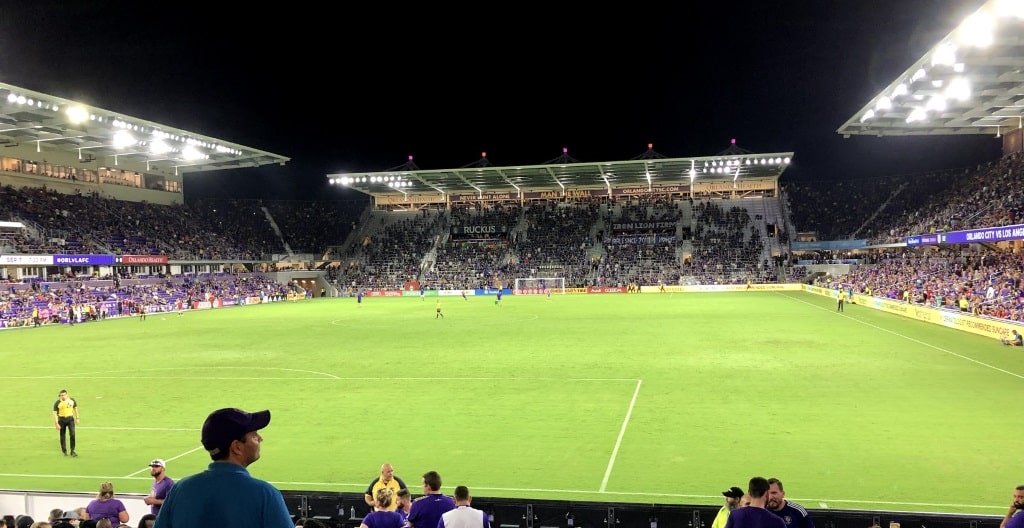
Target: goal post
(539, 286)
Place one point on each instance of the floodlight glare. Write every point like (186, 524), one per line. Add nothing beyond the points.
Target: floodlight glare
(918, 114)
(883, 104)
(945, 55)
(1009, 8)
(937, 103)
(959, 89)
(867, 115)
(76, 114)
(977, 30)
(123, 139)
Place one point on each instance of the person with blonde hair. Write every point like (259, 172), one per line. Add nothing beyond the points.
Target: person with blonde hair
(105, 506)
(383, 516)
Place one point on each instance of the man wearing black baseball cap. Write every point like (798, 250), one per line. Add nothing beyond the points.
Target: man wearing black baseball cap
(733, 496)
(225, 495)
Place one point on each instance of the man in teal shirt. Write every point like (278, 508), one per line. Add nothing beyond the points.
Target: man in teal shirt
(225, 495)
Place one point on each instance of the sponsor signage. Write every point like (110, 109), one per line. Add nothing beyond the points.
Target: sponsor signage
(922, 240)
(486, 197)
(644, 226)
(654, 189)
(83, 260)
(143, 259)
(384, 293)
(641, 239)
(26, 260)
(606, 289)
(478, 230)
(988, 234)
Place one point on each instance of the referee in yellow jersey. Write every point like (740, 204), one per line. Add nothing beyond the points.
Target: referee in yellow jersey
(65, 418)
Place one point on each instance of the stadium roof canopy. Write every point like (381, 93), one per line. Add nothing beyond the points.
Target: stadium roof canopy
(565, 173)
(971, 82)
(49, 122)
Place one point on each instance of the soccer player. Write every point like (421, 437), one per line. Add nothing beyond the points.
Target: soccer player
(359, 298)
(423, 293)
(464, 295)
(498, 299)
(439, 314)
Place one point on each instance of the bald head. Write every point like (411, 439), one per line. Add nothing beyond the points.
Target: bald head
(387, 473)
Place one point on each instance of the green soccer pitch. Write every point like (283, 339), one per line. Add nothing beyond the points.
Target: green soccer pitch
(643, 398)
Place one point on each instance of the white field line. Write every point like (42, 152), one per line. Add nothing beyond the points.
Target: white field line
(189, 452)
(618, 441)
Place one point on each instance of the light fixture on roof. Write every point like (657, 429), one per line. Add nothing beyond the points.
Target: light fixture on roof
(124, 139)
(1009, 8)
(917, 114)
(977, 30)
(901, 89)
(945, 55)
(867, 115)
(937, 103)
(999, 131)
(918, 75)
(959, 89)
(884, 103)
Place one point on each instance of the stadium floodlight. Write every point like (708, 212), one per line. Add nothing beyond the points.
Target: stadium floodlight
(959, 89)
(977, 30)
(945, 55)
(884, 103)
(124, 139)
(917, 114)
(937, 103)
(1009, 8)
(76, 114)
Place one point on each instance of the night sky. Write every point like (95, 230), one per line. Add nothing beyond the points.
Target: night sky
(355, 87)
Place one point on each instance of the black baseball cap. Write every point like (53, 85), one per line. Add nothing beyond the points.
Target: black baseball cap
(734, 492)
(224, 426)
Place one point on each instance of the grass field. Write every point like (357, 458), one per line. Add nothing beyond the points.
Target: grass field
(653, 398)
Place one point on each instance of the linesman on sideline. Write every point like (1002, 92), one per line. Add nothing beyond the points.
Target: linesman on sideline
(439, 314)
(65, 418)
(840, 297)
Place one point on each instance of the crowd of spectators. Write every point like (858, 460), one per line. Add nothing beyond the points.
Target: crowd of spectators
(203, 230)
(557, 241)
(984, 283)
(476, 259)
(640, 242)
(727, 247)
(389, 252)
(37, 302)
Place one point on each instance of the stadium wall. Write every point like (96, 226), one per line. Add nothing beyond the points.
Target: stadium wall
(346, 510)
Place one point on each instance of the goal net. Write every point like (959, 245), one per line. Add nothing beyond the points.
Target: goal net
(539, 286)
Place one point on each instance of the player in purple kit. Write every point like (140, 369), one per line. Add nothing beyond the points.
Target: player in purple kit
(359, 297)
(755, 515)
(498, 300)
(427, 510)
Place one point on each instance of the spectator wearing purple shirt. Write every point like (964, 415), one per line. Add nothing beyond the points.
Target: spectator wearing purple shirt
(755, 515)
(1014, 518)
(106, 506)
(427, 510)
(382, 516)
(161, 485)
